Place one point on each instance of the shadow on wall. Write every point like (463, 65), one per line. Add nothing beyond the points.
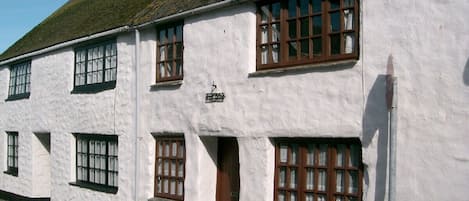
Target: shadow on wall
(375, 124)
(465, 75)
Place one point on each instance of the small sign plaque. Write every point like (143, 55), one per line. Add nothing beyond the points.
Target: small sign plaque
(214, 97)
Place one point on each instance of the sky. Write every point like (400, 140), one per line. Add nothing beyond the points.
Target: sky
(18, 17)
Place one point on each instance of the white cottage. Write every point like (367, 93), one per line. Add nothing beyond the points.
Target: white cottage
(238, 100)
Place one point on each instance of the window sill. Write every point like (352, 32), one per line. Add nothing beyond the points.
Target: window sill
(12, 173)
(18, 97)
(160, 199)
(96, 187)
(94, 88)
(168, 83)
(261, 72)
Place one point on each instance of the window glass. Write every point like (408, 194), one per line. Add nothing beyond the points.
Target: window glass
(325, 169)
(170, 168)
(20, 80)
(170, 53)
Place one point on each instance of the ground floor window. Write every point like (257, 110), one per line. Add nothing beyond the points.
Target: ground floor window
(97, 161)
(12, 153)
(169, 171)
(318, 170)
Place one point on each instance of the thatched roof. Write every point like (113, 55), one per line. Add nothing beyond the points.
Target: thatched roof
(80, 18)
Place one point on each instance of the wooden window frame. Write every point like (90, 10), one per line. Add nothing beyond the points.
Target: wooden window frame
(325, 34)
(87, 183)
(330, 168)
(177, 56)
(12, 169)
(180, 157)
(26, 84)
(99, 86)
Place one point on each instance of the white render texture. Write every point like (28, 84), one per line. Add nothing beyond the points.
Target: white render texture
(427, 41)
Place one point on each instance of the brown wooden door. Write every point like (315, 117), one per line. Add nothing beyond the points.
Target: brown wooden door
(228, 170)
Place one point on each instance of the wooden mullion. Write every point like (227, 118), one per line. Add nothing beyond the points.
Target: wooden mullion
(325, 30)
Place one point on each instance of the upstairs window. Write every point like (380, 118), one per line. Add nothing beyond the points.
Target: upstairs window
(20, 81)
(96, 67)
(297, 32)
(12, 153)
(169, 53)
(318, 170)
(97, 162)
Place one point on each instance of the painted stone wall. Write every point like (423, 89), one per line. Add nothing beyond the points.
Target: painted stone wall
(53, 109)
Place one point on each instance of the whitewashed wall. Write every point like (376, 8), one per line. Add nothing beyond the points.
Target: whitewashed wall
(429, 44)
(52, 108)
(428, 41)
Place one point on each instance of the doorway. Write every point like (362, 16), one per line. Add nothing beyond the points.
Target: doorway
(228, 170)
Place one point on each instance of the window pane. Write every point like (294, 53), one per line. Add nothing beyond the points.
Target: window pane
(160, 166)
(165, 186)
(166, 151)
(166, 167)
(292, 49)
(294, 153)
(282, 177)
(349, 40)
(304, 27)
(304, 7)
(281, 196)
(178, 67)
(276, 32)
(309, 179)
(170, 35)
(340, 155)
(181, 150)
(309, 197)
(354, 155)
(181, 169)
(321, 198)
(264, 53)
(339, 198)
(304, 48)
(293, 196)
(310, 156)
(322, 154)
(317, 25)
(335, 44)
(348, 3)
(293, 178)
(339, 175)
(170, 52)
(292, 8)
(353, 182)
(175, 149)
(173, 168)
(264, 34)
(348, 19)
(335, 21)
(162, 37)
(265, 13)
(283, 153)
(334, 4)
(322, 180)
(180, 188)
(352, 199)
(173, 187)
(179, 33)
(179, 50)
(276, 11)
(292, 29)
(275, 53)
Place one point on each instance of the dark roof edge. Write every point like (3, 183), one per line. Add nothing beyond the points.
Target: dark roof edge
(126, 28)
(194, 11)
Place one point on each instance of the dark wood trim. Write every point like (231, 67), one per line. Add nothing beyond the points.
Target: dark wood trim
(96, 187)
(18, 96)
(12, 196)
(180, 156)
(174, 43)
(326, 55)
(331, 168)
(94, 88)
